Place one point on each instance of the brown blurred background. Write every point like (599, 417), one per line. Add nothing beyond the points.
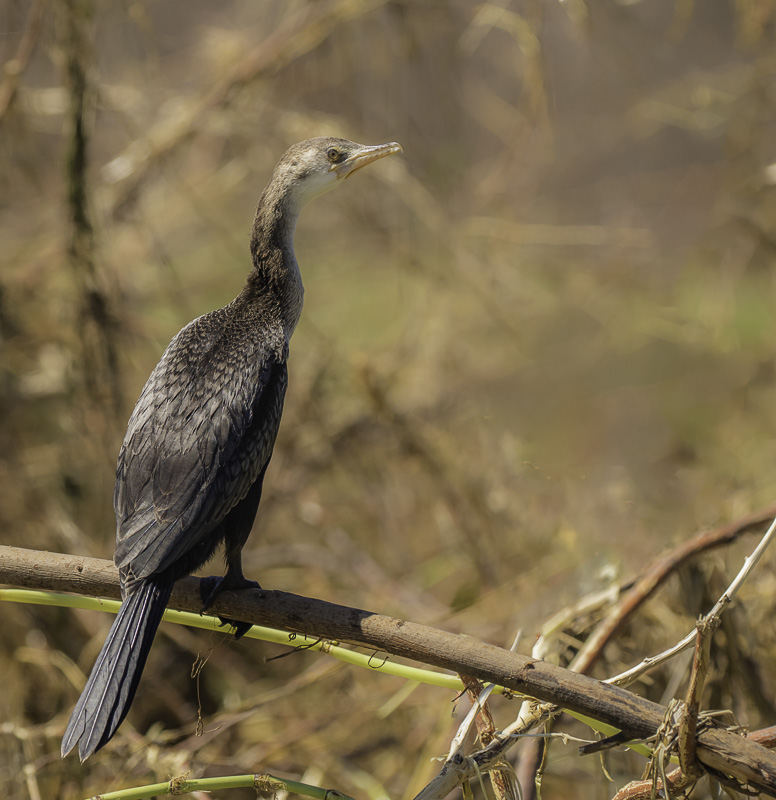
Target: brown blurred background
(537, 348)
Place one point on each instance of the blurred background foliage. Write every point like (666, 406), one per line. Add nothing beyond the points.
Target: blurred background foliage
(537, 349)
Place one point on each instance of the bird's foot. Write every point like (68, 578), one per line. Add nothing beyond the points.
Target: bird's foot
(212, 586)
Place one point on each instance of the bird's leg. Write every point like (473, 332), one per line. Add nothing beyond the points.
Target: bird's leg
(237, 527)
(212, 586)
(233, 580)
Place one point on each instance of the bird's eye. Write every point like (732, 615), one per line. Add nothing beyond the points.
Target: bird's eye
(334, 155)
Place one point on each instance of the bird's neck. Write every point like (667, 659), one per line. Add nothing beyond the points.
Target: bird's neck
(275, 281)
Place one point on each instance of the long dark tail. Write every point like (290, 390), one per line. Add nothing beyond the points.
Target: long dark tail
(111, 687)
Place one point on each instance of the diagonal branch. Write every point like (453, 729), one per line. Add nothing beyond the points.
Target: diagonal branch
(724, 751)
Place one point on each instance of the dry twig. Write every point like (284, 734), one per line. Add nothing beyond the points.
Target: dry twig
(676, 780)
(14, 67)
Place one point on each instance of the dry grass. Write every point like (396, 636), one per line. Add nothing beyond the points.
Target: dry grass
(535, 351)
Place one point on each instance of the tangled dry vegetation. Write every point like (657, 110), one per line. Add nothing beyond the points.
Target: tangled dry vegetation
(536, 354)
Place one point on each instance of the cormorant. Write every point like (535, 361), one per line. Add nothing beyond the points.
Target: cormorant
(191, 467)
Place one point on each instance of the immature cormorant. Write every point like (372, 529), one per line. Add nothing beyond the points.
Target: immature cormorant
(197, 446)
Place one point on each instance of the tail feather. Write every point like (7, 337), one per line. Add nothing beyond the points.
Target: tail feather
(111, 687)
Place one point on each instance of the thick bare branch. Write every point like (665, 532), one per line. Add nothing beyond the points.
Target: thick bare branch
(638, 718)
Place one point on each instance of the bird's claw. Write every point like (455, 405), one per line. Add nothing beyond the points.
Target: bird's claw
(209, 589)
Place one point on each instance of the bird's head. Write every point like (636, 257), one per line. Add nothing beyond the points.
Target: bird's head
(310, 168)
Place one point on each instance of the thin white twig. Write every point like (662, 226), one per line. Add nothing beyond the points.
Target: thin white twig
(463, 729)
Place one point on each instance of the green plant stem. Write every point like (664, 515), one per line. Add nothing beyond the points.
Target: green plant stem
(377, 663)
(266, 784)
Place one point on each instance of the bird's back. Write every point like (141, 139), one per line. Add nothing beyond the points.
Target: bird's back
(201, 432)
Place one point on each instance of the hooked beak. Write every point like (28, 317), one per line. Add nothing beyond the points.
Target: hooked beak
(363, 156)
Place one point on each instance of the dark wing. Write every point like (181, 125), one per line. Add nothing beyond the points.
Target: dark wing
(201, 432)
